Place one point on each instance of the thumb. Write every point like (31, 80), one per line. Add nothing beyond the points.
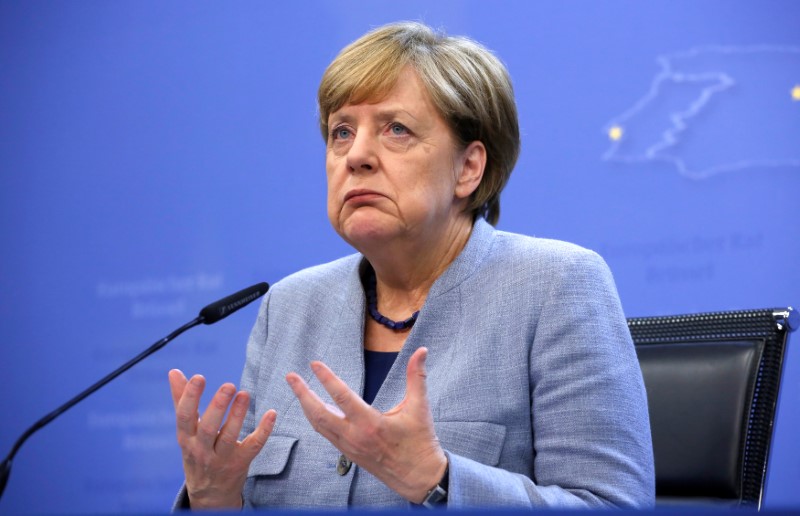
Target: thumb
(416, 378)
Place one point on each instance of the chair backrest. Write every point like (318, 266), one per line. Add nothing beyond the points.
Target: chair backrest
(712, 385)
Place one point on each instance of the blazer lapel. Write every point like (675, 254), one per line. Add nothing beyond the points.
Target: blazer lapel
(343, 352)
(440, 319)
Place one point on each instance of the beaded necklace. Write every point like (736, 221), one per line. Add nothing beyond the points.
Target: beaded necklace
(372, 306)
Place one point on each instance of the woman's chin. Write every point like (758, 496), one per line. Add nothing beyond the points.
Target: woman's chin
(363, 234)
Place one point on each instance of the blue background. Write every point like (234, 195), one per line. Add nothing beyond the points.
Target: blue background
(156, 156)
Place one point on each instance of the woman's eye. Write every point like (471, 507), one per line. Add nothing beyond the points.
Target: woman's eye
(398, 130)
(341, 133)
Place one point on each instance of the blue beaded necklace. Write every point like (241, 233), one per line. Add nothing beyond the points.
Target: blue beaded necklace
(372, 306)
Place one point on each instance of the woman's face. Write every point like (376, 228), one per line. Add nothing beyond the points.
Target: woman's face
(393, 168)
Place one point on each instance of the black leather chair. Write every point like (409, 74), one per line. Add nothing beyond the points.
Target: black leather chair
(712, 384)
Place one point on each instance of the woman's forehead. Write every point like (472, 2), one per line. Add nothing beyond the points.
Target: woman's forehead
(407, 93)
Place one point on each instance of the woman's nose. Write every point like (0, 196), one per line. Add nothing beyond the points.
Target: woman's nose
(362, 154)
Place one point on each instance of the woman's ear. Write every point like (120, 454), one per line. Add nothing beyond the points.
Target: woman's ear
(473, 163)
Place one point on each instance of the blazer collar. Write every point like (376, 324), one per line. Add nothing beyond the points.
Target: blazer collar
(465, 264)
(441, 301)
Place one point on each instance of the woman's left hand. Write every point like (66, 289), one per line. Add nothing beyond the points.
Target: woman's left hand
(399, 446)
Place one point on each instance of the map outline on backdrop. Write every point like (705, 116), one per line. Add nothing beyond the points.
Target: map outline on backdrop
(711, 84)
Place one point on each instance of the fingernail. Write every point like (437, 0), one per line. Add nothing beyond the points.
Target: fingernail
(196, 380)
(315, 367)
(228, 390)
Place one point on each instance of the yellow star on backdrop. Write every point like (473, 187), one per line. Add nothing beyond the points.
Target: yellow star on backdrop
(796, 92)
(615, 133)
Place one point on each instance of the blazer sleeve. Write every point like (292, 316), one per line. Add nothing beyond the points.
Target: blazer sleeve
(590, 426)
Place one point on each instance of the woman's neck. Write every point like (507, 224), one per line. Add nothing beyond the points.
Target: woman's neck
(405, 271)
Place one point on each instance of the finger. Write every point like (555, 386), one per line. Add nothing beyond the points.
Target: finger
(211, 420)
(416, 377)
(307, 397)
(177, 383)
(186, 413)
(229, 433)
(351, 404)
(325, 419)
(253, 443)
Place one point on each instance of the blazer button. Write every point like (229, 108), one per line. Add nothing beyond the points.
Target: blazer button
(343, 465)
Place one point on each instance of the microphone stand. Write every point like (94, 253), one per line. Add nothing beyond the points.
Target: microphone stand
(5, 469)
(210, 314)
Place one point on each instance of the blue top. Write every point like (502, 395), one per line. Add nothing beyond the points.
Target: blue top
(376, 367)
(533, 385)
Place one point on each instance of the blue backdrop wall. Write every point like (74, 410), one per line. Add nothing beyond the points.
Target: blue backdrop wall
(156, 156)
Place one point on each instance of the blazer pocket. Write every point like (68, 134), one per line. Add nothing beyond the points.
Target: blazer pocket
(273, 457)
(476, 440)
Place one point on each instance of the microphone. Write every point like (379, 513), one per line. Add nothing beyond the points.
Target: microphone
(208, 315)
(221, 309)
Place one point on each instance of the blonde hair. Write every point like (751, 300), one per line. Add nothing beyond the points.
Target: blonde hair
(469, 86)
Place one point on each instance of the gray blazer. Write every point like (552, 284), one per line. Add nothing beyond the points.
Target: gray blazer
(534, 384)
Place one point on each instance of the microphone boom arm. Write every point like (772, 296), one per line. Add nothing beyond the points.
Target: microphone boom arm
(5, 469)
(208, 315)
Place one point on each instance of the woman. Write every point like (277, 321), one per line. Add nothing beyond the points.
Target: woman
(447, 362)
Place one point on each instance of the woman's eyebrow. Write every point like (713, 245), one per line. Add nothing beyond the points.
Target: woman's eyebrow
(340, 117)
(382, 114)
(390, 113)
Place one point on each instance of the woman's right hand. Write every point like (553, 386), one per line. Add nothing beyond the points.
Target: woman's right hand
(215, 462)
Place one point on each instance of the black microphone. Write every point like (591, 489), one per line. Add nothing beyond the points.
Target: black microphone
(209, 315)
(227, 305)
